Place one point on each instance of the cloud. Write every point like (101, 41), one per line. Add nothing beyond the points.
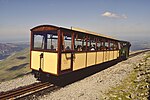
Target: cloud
(114, 15)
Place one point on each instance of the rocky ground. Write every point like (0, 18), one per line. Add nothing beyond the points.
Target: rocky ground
(128, 79)
(132, 75)
(137, 85)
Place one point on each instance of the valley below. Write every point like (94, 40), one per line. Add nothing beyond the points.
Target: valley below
(14, 60)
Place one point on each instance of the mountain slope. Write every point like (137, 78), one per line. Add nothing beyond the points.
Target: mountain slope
(15, 65)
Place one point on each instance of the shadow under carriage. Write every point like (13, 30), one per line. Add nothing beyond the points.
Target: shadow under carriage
(75, 76)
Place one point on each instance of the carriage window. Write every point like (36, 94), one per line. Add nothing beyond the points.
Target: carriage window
(80, 42)
(111, 46)
(116, 46)
(99, 45)
(66, 42)
(91, 44)
(52, 42)
(39, 41)
(102, 45)
(119, 45)
(45, 41)
(106, 45)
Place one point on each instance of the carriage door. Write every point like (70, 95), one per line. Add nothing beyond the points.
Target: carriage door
(66, 55)
(37, 52)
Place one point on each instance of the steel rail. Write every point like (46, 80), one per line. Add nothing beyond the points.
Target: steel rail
(13, 94)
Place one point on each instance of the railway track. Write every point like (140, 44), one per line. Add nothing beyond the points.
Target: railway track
(25, 90)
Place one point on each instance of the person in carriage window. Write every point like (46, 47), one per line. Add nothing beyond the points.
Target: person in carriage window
(67, 48)
(93, 47)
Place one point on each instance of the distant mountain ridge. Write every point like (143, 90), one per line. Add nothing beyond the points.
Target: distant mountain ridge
(7, 49)
(139, 45)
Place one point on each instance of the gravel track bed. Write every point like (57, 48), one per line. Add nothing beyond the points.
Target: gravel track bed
(18, 82)
(94, 87)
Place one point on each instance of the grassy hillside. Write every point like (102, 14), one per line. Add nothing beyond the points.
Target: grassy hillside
(15, 65)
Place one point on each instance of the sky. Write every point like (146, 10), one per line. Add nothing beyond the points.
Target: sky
(122, 19)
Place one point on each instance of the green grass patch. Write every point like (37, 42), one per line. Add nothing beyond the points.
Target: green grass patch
(124, 90)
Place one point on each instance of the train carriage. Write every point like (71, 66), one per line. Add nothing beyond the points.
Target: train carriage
(57, 50)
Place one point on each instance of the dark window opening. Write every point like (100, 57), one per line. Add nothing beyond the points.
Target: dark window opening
(111, 46)
(80, 42)
(106, 45)
(91, 43)
(66, 42)
(99, 45)
(116, 47)
(52, 42)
